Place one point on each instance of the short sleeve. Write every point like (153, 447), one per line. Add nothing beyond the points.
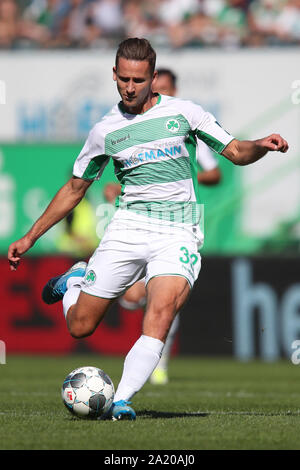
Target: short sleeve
(91, 161)
(208, 129)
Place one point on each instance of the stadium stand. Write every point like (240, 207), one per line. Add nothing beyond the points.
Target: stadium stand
(171, 23)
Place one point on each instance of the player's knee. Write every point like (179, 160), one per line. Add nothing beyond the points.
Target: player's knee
(81, 329)
(131, 297)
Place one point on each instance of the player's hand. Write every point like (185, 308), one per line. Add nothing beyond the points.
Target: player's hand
(274, 142)
(16, 250)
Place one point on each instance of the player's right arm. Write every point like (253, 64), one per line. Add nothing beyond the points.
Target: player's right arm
(61, 205)
(88, 167)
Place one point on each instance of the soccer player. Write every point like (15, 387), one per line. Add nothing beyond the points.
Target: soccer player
(134, 298)
(155, 233)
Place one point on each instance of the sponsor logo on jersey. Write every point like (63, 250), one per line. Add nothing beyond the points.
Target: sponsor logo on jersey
(121, 139)
(152, 155)
(172, 125)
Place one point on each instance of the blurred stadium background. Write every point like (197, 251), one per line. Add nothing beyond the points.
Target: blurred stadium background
(240, 60)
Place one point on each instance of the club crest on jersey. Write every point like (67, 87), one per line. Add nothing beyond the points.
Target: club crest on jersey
(90, 277)
(172, 125)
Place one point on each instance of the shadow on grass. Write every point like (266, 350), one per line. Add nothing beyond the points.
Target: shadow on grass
(167, 414)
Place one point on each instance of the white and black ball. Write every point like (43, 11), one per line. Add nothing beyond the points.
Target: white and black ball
(88, 392)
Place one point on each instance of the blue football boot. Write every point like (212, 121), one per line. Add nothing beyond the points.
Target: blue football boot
(121, 410)
(56, 287)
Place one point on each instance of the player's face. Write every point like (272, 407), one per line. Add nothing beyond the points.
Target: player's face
(163, 84)
(134, 83)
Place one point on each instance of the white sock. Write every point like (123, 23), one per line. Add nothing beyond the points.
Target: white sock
(163, 363)
(139, 364)
(74, 280)
(127, 304)
(70, 298)
(132, 305)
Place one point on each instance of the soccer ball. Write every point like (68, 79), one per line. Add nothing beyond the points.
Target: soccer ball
(88, 392)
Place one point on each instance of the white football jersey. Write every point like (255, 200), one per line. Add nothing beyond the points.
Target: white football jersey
(154, 156)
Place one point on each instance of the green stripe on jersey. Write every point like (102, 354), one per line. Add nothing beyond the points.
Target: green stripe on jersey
(191, 145)
(96, 165)
(211, 141)
(168, 171)
(146, 131)
(172, 211)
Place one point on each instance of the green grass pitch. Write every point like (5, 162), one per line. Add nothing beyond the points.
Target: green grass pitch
(208, 404)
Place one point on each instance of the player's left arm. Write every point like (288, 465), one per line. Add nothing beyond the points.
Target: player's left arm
(244, 152)
(240, 152)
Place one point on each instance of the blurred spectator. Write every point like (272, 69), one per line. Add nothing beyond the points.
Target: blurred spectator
(9, 23)
(212, 8)
(175, 23)
(174, 12)
(232, 23)
(203, 29)
(41, 22)
(141, 19)
(176, 15)
(107, 17)
(134, 20)
(288, 22)
(262, 16)
(74, 31)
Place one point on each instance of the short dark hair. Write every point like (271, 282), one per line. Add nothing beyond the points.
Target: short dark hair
(137, 49)
(170, 73)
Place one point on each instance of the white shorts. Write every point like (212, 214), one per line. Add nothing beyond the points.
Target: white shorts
(126, 255)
